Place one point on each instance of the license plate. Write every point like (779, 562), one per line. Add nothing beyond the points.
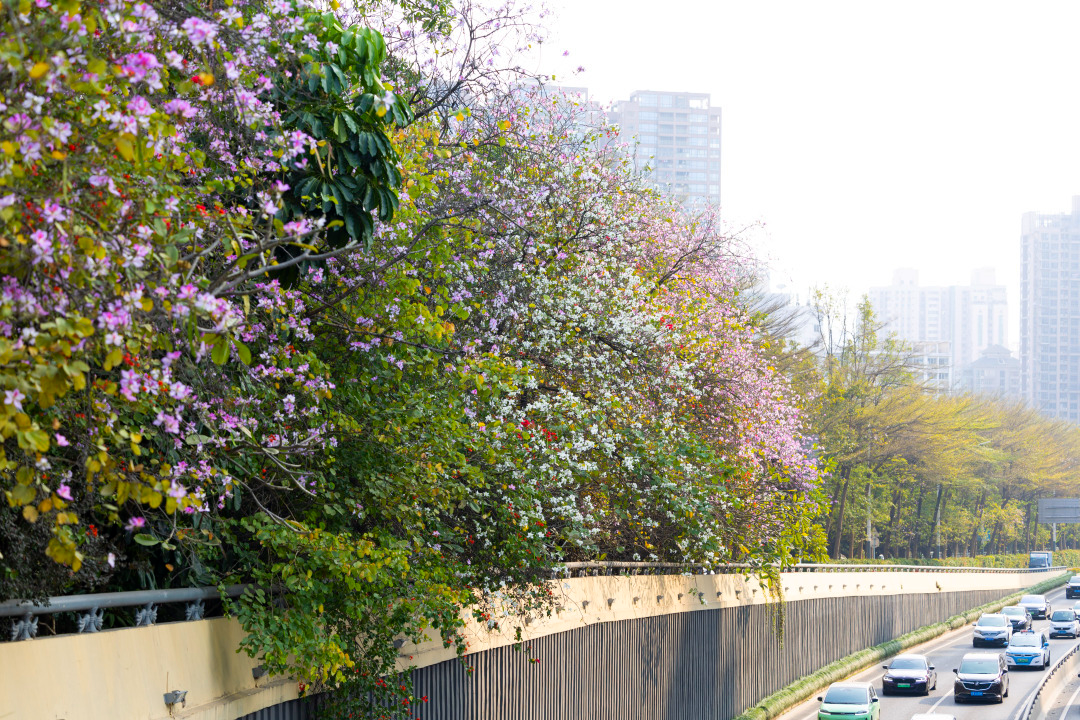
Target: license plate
(905, 685)
(976, 692)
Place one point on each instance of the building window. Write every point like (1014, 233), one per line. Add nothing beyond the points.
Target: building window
(715, 190)
(665, 101)
(646, 115)
(697, 141)
(647, 139)
(647, 127)
(647, 100)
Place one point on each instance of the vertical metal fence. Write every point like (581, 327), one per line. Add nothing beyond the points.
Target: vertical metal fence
(706, 665)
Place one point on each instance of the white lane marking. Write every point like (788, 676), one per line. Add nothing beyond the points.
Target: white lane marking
(943, 698)
(1065, 710)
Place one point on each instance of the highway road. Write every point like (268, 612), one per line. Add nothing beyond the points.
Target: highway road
(945, 653)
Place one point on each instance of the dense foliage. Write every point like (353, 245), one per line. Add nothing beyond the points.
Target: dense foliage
(935, 474)
(372, 323)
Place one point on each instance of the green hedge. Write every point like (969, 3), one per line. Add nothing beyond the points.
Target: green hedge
(805, 687)
(1070, 558)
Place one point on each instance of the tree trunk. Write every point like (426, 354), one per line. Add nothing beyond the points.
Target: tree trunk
(913, 546)
(935, 530)
(845, 473)
(887, 535)
(978, 522)
(1027, 529)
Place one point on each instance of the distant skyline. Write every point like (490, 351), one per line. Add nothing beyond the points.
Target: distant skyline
(865, 136)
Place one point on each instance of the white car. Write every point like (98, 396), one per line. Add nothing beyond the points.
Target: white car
(1063, 623)
(1028, 649)
(992, 629)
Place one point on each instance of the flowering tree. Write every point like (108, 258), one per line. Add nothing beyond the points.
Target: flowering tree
(264, 320)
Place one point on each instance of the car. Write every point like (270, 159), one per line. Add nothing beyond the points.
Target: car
(981, 676)
(1019, 616)
(1028, 649)
(991, 629)
(909, 673)
(1063, 623)
(1036, 605)
(849, 701)
(1072, 589)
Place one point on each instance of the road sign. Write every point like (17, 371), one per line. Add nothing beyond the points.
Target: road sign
(1059, 510)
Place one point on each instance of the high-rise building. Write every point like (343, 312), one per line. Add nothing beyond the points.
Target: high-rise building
(677, 146)
(1050, 312)
(996, 373)
(968, 318)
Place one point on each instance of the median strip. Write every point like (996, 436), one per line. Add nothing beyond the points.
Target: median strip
(805, 687)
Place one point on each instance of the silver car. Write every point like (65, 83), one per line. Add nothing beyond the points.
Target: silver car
(1063, 623)
(992, 629)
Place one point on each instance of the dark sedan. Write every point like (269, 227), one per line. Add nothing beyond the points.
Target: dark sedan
(909, 674)
(981, 676)
(1018, 616)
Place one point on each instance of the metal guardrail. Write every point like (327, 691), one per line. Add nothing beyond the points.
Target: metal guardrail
(584, 569)
(92, 607)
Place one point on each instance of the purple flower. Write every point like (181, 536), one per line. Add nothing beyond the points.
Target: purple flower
(140, 106)
(180, 107)
(199, 31)
(14, 398)
(61, 441)
(136, 523)
(64, 491)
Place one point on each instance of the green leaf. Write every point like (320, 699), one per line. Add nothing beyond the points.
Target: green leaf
(221, 352)
(243, 352)
(148, 540)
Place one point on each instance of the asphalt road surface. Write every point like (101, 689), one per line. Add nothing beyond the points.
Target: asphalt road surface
(945, 653)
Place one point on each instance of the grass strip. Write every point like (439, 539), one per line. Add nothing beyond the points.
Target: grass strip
(803, 688)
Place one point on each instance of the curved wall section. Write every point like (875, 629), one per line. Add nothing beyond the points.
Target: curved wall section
(709, 664)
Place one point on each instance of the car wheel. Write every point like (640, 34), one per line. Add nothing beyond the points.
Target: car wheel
(1005, 694)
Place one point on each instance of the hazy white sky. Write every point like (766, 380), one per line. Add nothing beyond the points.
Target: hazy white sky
(865, 135)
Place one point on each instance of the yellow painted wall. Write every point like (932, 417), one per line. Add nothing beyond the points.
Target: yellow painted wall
(123, 674)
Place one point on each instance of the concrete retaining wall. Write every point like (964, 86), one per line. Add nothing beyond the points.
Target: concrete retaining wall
(659, 642)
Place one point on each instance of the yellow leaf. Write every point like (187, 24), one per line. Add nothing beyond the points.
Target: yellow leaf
(57, 155)
(38, 70)
(7, 147)
(30, 514)
(125, 148)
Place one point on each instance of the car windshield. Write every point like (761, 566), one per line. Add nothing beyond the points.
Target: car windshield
(979, 666)
(1076, 606)
(908, 664)
(846, 696)
(1025, 641)
(1063, 615)
(1013, 611)
(1032, 599)
(991, 621)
